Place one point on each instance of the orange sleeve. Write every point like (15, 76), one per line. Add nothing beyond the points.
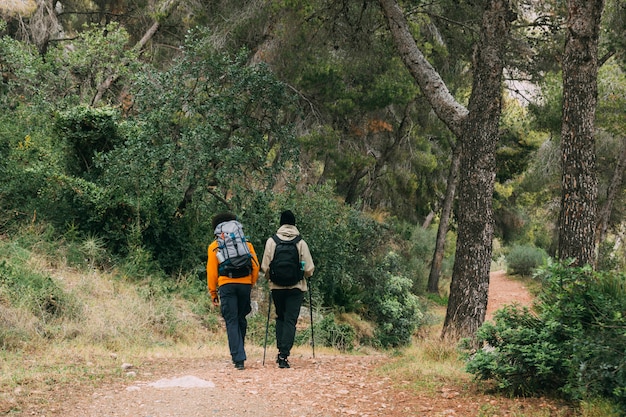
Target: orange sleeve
(255, 264)
(211, 269)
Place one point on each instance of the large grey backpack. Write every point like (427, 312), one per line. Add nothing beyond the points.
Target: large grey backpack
(233, 254)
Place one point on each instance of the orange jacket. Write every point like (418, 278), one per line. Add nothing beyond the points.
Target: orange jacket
(214, 281)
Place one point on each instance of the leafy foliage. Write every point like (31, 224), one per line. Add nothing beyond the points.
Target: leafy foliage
(525, 259)
(391, 304)
(87, 132)
(208, 133)
(368, 131)
(573, 347)
(340, 336)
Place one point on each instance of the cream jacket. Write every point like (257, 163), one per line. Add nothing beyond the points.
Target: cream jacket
(288, 232)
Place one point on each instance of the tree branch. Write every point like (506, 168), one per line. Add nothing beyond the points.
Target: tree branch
(162, 13)
(451, 112)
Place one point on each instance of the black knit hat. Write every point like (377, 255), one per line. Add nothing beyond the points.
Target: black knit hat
(287, 217)
(222, 217)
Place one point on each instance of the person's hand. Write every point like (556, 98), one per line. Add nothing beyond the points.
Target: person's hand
(216, 302)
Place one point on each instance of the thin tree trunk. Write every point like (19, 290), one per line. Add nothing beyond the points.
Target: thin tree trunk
(428, 220)
(388, 151)
(164, 11)
(616, 184)
(579, 183)
(444, 221)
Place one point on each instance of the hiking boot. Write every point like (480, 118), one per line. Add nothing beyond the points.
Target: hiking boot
(239, 365)
(282, 362)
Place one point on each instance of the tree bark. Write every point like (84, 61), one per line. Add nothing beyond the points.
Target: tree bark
(444, 221)
(611, 194)
(469, 288)
(477, 133)
(579, 183)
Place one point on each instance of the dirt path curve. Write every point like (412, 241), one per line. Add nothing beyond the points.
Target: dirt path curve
(338, 385)
(504, 290)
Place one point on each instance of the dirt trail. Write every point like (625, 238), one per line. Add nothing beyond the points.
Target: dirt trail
(339, 385)
(503, 290)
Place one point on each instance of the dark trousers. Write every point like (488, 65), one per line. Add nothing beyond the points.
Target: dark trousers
(235, 306)
(287, 304)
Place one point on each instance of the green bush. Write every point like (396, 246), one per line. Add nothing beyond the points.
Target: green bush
(573, 348)
(38, 293)
(340, 336)
(520, 353)
(524, 259)
(86, 132)
(391, 304)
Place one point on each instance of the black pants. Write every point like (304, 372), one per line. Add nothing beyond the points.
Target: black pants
(287, 304)
(235, 305)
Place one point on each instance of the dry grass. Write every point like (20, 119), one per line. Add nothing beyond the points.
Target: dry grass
(429, 363)
(17, 7)
(113, 322)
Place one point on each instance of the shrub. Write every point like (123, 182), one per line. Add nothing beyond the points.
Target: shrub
(524, 259)
(574, 347)
(391, 304)
(520, 353)
(340, 336)
(39, 294)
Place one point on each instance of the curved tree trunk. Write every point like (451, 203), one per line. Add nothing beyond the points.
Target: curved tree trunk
(444, 222)
(467, 304)
(579, 183)
(448, 110)
(477, 133)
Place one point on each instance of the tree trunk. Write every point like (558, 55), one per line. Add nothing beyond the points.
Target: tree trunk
(616, 184)
(467, 304)
(579, 184)
(477, 133)
(444, 221)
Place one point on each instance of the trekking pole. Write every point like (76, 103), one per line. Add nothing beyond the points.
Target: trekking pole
(267, 325)
(311, 314)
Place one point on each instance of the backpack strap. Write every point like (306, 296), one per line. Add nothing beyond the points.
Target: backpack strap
(277, 240)
(295, 240)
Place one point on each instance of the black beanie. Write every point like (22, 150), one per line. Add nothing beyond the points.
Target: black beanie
(287, 217)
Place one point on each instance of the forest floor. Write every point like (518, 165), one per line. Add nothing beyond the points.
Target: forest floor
(327, 385)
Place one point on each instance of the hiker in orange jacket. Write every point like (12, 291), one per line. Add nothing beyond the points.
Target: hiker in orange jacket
(231, 294)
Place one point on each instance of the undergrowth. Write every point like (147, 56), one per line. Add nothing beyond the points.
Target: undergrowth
(571, 347)
(69, 315)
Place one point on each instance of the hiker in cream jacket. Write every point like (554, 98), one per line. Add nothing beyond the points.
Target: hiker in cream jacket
(287, 300)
